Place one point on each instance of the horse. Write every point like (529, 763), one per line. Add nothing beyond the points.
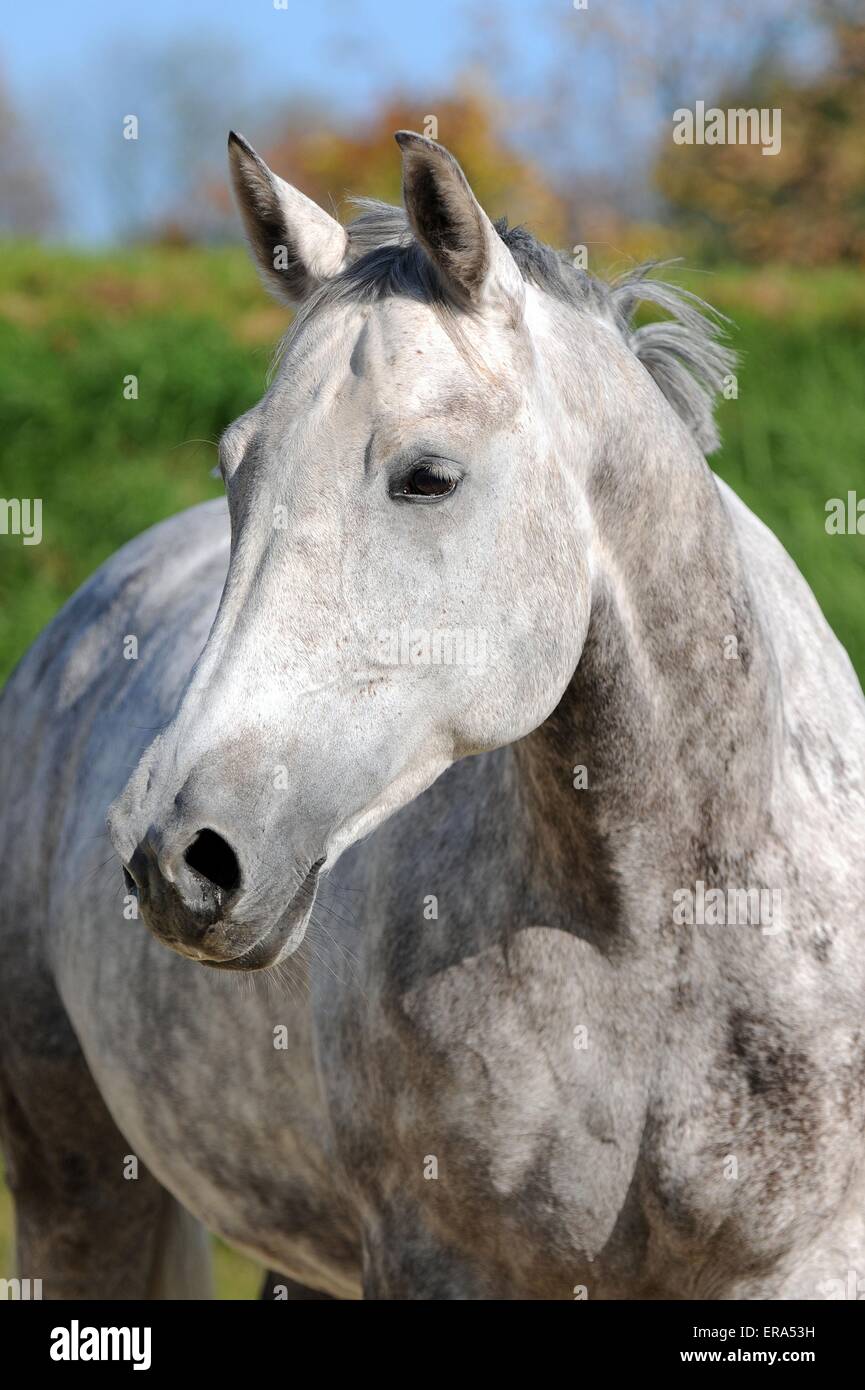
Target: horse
(486, 801)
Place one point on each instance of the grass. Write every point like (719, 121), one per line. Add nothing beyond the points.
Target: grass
(196, 330)
(792, 441)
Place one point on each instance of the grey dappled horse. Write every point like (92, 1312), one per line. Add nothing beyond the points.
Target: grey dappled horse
(493, 636)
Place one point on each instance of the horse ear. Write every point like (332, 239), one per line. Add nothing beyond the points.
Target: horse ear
(454, 230)
(295, 244)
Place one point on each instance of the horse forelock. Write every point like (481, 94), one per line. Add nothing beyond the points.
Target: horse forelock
(684, 352)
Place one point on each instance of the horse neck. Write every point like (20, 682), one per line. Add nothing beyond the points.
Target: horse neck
(673, 708)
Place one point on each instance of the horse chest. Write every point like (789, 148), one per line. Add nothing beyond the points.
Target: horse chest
(548, 1119)
(496, 1107)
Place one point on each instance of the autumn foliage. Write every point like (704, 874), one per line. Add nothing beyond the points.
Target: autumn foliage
(803, 206)
(331, 164)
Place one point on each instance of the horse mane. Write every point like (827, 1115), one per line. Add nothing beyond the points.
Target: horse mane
(682, 352)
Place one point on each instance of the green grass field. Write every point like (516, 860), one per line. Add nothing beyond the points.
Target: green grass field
(197, 331)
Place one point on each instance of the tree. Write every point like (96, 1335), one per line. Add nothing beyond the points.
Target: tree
(27, 203)
(805, 205)
(329, 163)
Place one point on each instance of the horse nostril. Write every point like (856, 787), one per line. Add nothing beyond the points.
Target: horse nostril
(131, 885)
(214, 859)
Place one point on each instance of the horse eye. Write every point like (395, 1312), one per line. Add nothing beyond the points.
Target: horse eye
(426, 481)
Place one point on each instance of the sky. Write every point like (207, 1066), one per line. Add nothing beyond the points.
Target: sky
(291, 45)
(73, 72)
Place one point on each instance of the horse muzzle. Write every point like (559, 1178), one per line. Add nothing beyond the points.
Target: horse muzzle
(196, 899)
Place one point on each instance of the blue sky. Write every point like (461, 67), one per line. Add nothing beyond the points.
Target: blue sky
(74, 71)
(291, 47)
